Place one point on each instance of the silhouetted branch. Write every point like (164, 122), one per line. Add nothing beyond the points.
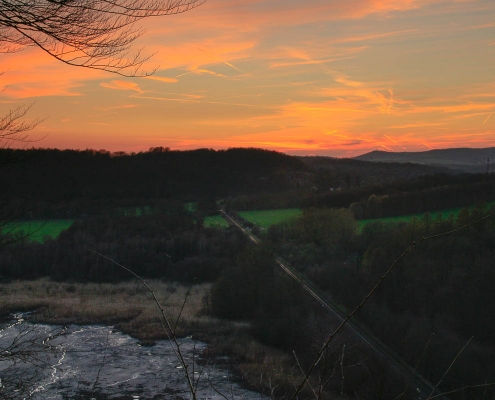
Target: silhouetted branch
(95, 34)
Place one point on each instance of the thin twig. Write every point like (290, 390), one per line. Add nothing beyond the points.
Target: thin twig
(181, 309)
(214, 388)
(342, 372)
(485, 385)
(302, 371)
(165, 324)
(415, 368)
(450, 366)
(101, 366)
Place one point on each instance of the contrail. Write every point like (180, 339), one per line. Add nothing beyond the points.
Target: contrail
(218, 58)
(487, 118)
(395, 141)
(185, 73)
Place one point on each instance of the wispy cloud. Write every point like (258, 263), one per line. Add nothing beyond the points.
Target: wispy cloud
(122, 85)
(162, 79)
(373, 36)
(118, 107)
(201, 71)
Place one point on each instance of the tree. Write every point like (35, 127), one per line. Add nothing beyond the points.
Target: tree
(26, 359)
(87, 33)
(13, 128)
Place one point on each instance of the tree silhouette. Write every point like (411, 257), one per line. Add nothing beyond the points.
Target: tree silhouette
(94, 34)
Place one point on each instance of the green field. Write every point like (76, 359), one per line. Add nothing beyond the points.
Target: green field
(262, 218)
(36, 231)
(266, 218)
(444, 214)
(215, 221)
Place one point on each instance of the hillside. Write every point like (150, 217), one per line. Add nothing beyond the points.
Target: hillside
(461, 159)
(64, 175)
(55, 176)
(354, 172)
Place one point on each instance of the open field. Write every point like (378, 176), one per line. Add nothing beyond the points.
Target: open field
(261, 218)
(405, 218)
(37, 230)
(266, 218)
(215, 221)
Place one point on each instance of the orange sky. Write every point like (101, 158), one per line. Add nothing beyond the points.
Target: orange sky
(323, 77)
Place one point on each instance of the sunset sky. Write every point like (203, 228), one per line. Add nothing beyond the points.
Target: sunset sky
(314, 77)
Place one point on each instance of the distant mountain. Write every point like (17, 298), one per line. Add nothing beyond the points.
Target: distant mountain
(461, 159)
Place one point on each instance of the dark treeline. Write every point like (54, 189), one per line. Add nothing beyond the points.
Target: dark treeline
(158, 246)
(422, 194)
(443, 286)
(50, 183)
(429, 193)
(75, 178)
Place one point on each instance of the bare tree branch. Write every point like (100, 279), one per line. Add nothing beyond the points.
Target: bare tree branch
(25, 360)
(13, 128)
(95, 34)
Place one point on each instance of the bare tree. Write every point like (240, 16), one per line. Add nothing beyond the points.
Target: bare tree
(94, 34)
(13, 127)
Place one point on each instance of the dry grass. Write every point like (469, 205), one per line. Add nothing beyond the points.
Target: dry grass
(129, 305)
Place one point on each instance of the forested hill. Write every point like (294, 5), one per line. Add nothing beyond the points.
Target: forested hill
(462, 159)
(368, 173)
(56, 176)
(64, 175)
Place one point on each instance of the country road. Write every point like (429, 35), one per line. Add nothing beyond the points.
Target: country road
(423, 388)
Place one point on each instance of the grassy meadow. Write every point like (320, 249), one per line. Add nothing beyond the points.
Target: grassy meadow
(215, 221)
(127, 304)
(261, 218)
(37, 231)
(266, 218)
(443, 214)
